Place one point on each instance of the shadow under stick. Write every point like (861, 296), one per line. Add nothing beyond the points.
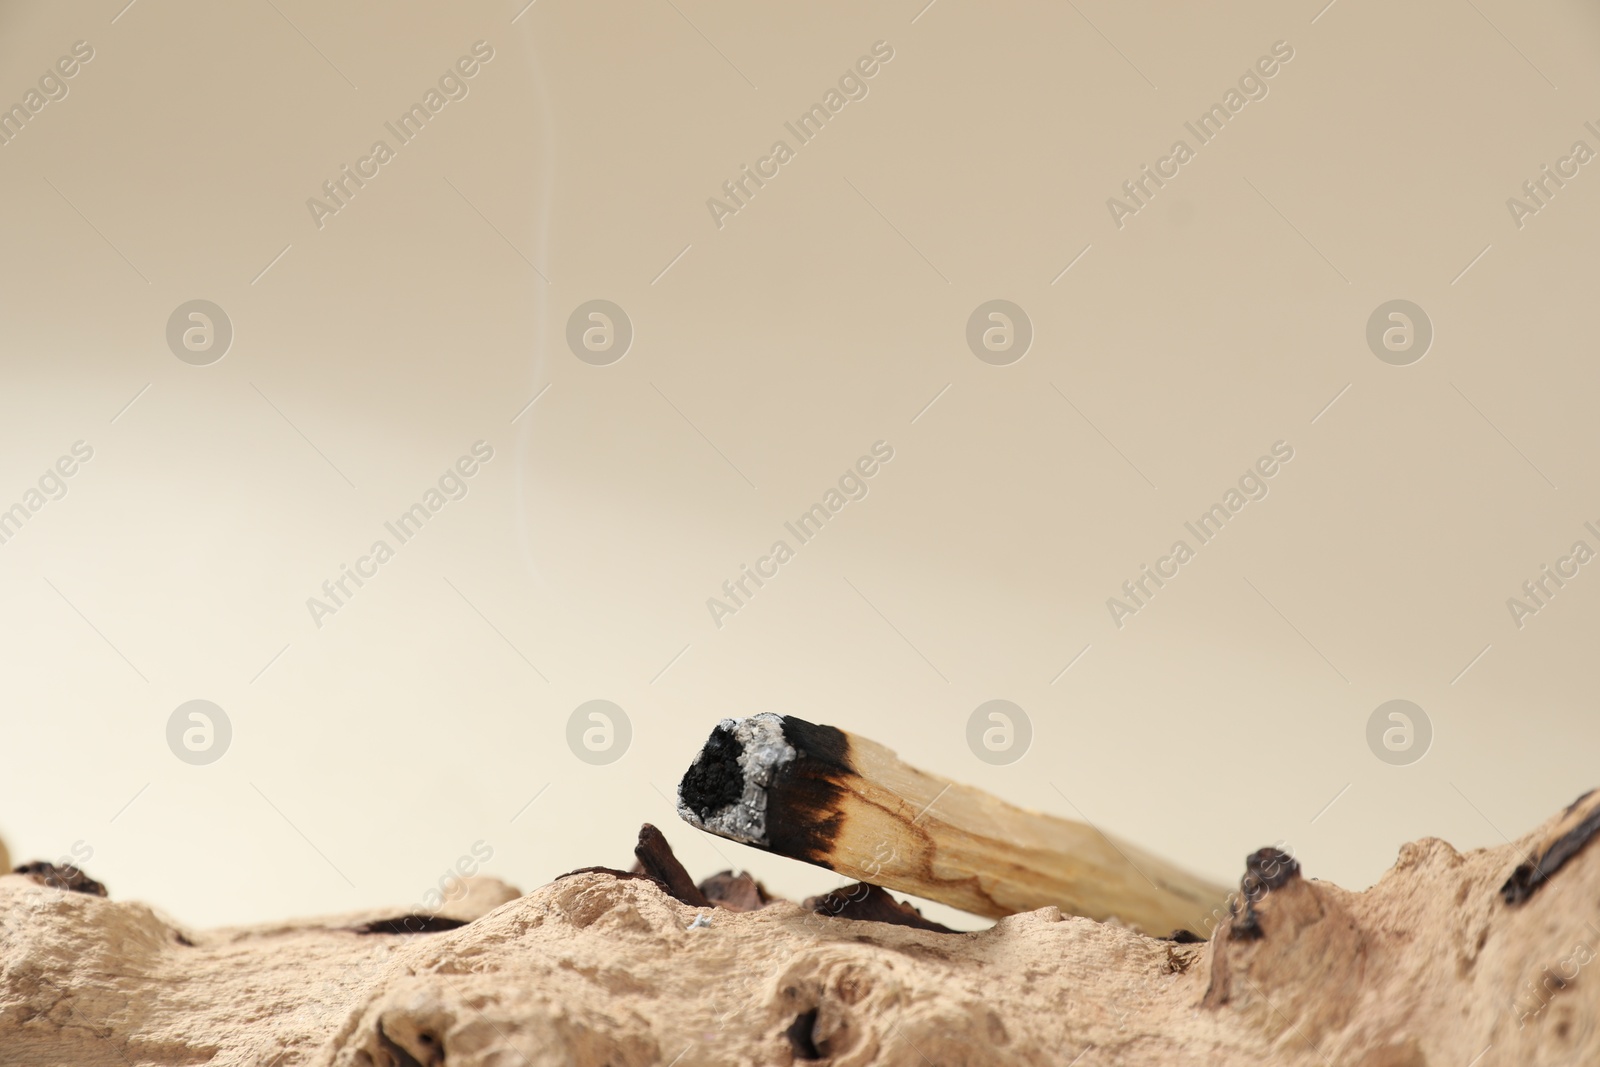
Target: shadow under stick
(844, 802)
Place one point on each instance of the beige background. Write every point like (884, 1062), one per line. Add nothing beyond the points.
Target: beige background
(369, 754)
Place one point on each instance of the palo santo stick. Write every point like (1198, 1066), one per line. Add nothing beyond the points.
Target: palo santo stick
(841, 801)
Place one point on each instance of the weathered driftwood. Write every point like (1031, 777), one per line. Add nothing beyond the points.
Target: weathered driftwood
(1452, 959)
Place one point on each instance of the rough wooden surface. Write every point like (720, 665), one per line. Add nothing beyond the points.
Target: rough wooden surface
(1449, 960)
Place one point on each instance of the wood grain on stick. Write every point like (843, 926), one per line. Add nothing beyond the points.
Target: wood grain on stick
(844, 802)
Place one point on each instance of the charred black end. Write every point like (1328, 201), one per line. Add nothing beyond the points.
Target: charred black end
(410, 924)
(715, 780)
(870, 903)
(1529, 876)
(1576, 804)
(57, 876)
(1268, 868)
(736, 892)
(1265, 870)
(656, 859)
(803, 816)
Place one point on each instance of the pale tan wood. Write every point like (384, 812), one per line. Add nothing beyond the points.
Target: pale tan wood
(919, 833)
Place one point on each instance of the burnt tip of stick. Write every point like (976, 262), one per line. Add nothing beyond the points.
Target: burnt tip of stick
(715, 780)
(771, 781)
